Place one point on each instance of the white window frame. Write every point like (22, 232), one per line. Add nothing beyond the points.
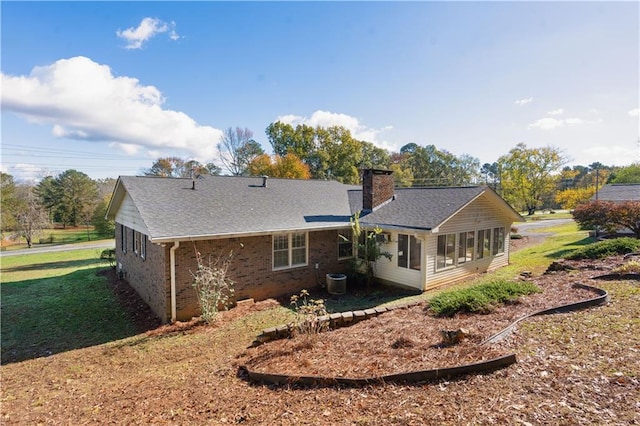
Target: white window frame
(344, 243)
(497, 247)
(290, 249)
(143, 246)
(136, 242)
(123, 238)
(450, 240)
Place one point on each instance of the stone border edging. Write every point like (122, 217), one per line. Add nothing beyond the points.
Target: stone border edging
(427, 375)
(337, 320)
(603, 297)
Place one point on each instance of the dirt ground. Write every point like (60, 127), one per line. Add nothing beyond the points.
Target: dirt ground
(575, 368)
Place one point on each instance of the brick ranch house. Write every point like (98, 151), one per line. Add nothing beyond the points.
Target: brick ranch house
(285, 233)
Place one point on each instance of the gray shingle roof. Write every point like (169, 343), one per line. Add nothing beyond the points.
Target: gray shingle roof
(226, 205)
(235, 205)
(619, 192)
(417, 208)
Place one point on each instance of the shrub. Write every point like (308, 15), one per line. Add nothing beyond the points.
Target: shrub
(606, 248)
(110, 256)
(213, 286)
(631, 267)
(307, 320)
(479, 299)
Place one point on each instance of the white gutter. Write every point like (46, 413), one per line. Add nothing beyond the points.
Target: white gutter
(172, 265)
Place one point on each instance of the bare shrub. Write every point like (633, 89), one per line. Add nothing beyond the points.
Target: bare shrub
(213, 286)
(308, 322)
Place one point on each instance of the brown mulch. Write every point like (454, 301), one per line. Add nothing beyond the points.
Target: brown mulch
(410, 339)
(576, 368)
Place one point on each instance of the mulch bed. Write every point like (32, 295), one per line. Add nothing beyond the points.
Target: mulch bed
(410, 339)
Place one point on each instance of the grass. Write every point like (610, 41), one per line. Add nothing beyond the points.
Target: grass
(57, 236)
(572, 368)
(55, 302)
(65, 296)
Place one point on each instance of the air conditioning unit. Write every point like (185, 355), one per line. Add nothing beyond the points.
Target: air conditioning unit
(383, 238)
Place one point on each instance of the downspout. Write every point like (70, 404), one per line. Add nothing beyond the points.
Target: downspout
(172, 263)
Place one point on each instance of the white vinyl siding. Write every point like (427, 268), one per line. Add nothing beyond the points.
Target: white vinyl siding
(475, 220)
(289, 250)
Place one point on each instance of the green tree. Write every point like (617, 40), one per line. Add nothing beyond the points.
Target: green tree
(78, 197)
(527, 175)
(236, 150)
(103, 226)
(628, 174)
(179, 168)
(8, 201)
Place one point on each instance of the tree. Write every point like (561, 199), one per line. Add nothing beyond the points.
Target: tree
(527, 175)
(103, 226)
(288, 167)
(180, 168)
(78, 197)
(236, 150)
(30, 216)
(628, 174)
(491, 174)
(8, 201)
(609, 216)
(571, 197)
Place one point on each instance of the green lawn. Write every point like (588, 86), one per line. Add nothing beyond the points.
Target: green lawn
(57, 236)
(56, 302)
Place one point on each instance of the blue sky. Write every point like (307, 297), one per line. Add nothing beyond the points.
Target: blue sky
(107, 87)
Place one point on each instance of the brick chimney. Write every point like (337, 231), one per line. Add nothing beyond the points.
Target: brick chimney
(377, 188)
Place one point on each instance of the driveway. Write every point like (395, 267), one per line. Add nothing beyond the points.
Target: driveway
(101, 244)
(532, 228)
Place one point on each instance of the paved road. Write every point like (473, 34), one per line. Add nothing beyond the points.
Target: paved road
(102, 244)
(531, 228)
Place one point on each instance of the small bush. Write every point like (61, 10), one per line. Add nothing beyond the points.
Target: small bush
(606, 248)
(213, 286)
(631, 267)
(479, 299)
(110, 256)
(308, 312)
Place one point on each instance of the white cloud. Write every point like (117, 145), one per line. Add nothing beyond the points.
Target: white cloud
(558, 111)
(549, 123)
(83, 100)
(148, 28)
(524, 101)
(28, 173)
(327, 119)
(634, 112)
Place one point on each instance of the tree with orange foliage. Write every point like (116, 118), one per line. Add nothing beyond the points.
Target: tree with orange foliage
(288, 167)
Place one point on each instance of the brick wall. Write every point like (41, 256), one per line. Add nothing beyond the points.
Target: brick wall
(251, 268)
(377, 188)
(148, 276)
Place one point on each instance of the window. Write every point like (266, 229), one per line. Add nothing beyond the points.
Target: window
(136, 242)
(498, 241)
(466, 241)
(123, 241)
(345, 245)
(446, 251)
(470, 245)
(487, 243)
(480, 243)
(409, 252)
(289, 250)
(143, 246)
